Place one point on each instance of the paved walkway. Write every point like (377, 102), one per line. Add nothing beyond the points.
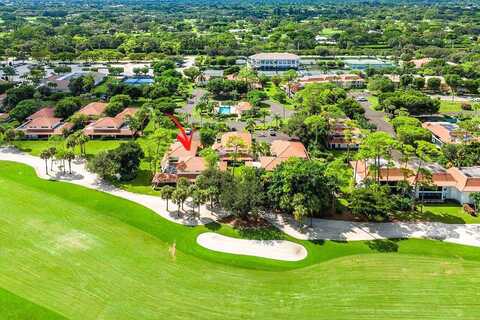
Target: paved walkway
(82, 177)
(467, 234)
(322, 229)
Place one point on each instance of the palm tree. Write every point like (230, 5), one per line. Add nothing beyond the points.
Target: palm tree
(82, 140)
(52, 151)
(289, 77)
(45, 155)
(277, 119)
(250, 127)
(71, 141)
(166, 193)
(69, 156)
(236, 143)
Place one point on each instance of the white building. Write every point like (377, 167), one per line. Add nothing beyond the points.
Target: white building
(274, 61)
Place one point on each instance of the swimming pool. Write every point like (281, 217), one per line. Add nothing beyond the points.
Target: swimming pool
(225, 109)
(137, 81)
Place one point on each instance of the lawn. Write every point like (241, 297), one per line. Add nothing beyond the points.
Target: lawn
(74, 252)
(35, 147)
(374, 104)
(141, 184)
(450, 106)
(441, 212)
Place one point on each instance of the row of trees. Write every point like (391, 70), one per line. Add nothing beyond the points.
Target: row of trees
(298, 187)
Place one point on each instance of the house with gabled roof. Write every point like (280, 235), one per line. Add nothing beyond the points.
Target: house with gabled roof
(93, 110)
(112, 126)
(444, 184)
(43, 124)
(282, 150)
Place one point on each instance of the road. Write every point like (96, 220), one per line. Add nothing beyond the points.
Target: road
(377, 118)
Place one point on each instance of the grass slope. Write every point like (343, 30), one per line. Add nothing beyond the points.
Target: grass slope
(89, 255)
(13, 307)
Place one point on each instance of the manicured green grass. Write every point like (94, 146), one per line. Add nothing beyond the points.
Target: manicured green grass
(330, 31)
(374, 104)
(35, 147)
(441, 212)
(450, 106)
(271, 90)
(13, 307)
(88, 255)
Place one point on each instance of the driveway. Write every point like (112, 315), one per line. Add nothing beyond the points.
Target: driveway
(279, 109)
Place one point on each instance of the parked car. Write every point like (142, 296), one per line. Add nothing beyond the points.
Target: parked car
(272, 132)
(361, 99)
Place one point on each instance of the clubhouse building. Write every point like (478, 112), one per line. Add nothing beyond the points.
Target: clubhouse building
(274, 61)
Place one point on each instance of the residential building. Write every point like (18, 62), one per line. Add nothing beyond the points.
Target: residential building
(446, 132)
(93, 110)
(346, 81)
(455, 184)
(113, 127)
(419, 63)
(43, 124)
(180, 163)
(233, 147)
(337, 136)
(274, 61)
(59, 83)
(282, 150)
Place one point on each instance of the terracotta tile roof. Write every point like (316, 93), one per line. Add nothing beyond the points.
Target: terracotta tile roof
(163, 177)
(468, 179)
(179, 151)
(440, 177)
(93, 109)
(47, 112)
(126, 112)
(445, 131)
(111, 126)
(420, 62)
(43, 123)
(244, 106)
(288, 149)
(191, 164)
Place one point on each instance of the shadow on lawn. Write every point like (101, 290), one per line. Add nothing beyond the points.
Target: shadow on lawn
(427, 215)
(383, 245)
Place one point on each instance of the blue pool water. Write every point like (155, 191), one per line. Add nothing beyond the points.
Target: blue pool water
(224, 110)
(138, 81)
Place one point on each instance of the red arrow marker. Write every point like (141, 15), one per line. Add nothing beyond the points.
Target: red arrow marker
(184, 139)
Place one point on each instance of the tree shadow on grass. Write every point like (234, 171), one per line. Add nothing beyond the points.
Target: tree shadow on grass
(213, 226)
(428, 215)
(261, 233)
(318, 242)
(382, 245)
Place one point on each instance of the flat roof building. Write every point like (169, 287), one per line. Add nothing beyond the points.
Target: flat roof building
(274, 61)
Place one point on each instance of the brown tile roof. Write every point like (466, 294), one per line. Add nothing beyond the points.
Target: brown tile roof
(179, 151)
(93, 109)
(244, 106)
(441, 178)
(163, 177)
(47, 112)
(288, 149)
(111, 126)
(468, 179)
(191, 164)
(126, 112)
(43, 123)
